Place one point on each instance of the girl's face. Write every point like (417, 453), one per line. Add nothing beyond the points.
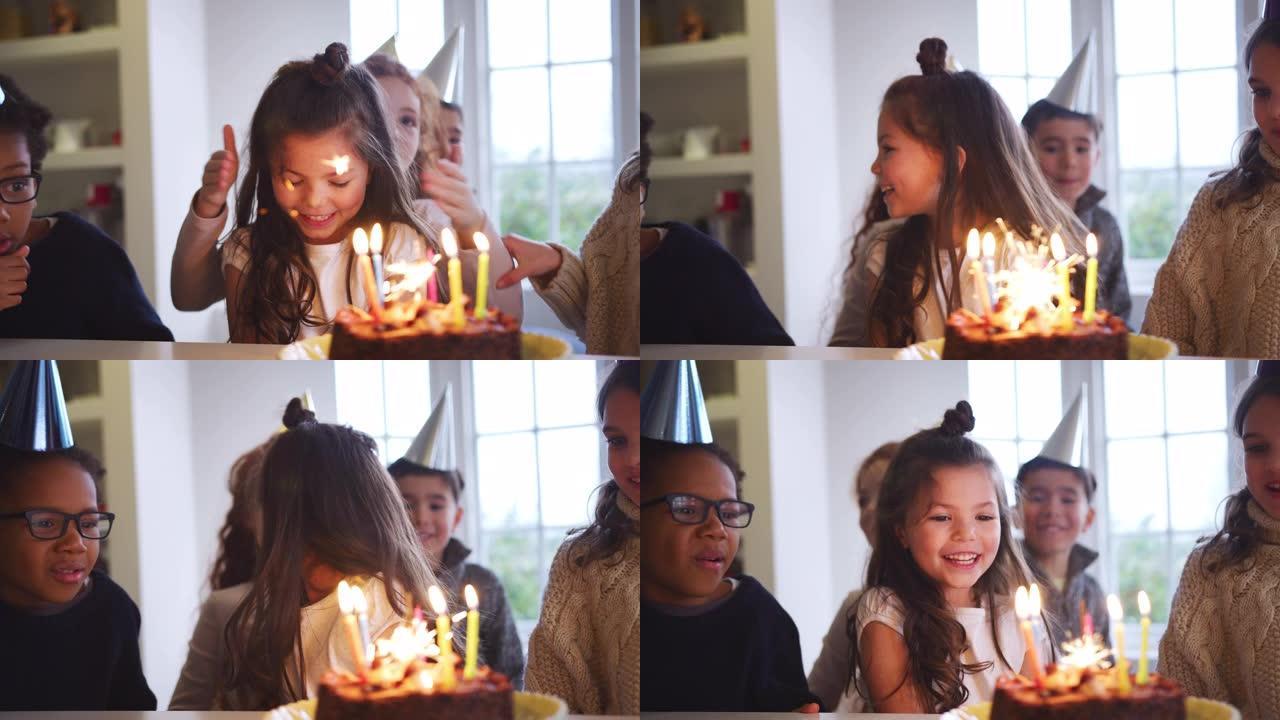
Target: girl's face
(1264, 83)
(622, 433)
(432, 508)
(1067, 151)
(908, 171)
(685, 564)
(15, 163)
(868, 490)
(1261, 439)
(33, 572)
(1055, 510)
(404, 116)
(320, 183)
(953, 530)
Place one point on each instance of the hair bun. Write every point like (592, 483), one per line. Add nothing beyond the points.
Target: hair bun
(958, 421)
(932, 56)
(329, 65)
(295, 414)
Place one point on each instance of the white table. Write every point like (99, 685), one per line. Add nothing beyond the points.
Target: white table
(761, 352)
(783, 716)
(197, 715)
(132, 350)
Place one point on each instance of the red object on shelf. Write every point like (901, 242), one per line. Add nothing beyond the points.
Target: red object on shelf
(745, 145)
(100, 195)
(728, 201)
(116, 138)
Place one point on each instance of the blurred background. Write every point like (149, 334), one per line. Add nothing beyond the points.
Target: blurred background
(528, 443)
(549, 96)
(766, 122)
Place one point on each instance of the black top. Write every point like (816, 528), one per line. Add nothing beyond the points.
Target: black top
(743, 655)
(694, 292)
(500, 646)
(83, 658)
(82, 287)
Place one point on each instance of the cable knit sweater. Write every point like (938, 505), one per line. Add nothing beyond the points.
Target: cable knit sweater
(598, 295)
(1223, 639)
(1218, 293)
(586, 647)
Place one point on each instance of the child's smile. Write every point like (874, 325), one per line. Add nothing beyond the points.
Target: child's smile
(909, 173)
(1261, 439)
(321, 184)
(954, 532)
(434, 511)
(1055, 510)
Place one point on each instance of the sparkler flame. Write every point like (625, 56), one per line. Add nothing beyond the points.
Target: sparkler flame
(340, 164)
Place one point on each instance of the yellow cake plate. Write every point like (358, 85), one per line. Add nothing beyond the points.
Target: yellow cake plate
(1197, 709)
(1141, 347)
(528, 706)
(533, 346)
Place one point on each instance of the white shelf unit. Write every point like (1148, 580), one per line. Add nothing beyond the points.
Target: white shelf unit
(100, 43)
(90, 158)
(715, 166)
(730, 50)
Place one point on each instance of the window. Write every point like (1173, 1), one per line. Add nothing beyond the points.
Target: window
(1023, 46)
(550, 79)
(1016, 405)
(365, 390)
(1178, 96)
(418, 25)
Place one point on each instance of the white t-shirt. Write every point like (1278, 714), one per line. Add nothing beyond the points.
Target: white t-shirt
(325, 643)
(882, 605)
(337, 272)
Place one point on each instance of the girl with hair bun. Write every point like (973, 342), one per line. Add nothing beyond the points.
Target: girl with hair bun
(951, 158)
(936, 626)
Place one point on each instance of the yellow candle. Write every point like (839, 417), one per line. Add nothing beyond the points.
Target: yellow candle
(450, 242)
(346, 606)
(1023, 606)
(1144, 607)
(979, 276)
(1064, 281)
(1091, 278)
(482, 277)
(1117, 622)
(473, 631)
(444, 639)
(360, 243)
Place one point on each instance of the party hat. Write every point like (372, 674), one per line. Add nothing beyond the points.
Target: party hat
(671, 407)
(1065, 445)
(1077, 89)
(434, 446)
(445, 69)
(33, 414)
(388, 48)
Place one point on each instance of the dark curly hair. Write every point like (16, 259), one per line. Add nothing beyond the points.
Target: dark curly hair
(1043, 111)
(1087, 479)
(610, 527)
(237, 544)
(636, 171)
(19, 113)
(1244, 182)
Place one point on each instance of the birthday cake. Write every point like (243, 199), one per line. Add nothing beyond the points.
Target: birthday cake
(1086, 694)
(415, 329)
(970, 336)
(390, 691)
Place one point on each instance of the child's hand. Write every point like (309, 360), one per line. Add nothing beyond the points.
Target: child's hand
(448, 187)
(219, 174)
(14, 270)
(532, 259)
(808, 708)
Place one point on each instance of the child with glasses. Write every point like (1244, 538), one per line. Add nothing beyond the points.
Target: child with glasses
(70, 632)
(725, 643)
(60, 277)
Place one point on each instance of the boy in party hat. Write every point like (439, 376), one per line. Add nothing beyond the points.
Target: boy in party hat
(1065, 136)
(722, 644)
(70, 633)
(432, 487)
(1055, 499)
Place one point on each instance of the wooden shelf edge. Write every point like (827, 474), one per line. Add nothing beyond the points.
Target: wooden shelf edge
(90, 158)
(731, 49)
(53, 48)
(723, 164)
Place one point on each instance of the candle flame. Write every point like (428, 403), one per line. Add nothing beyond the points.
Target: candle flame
(988, 245)
(449, 241)
(1034, 607)
(413, 275)
(1114, 609)
(340, 164)
(375, 239)
(1057, 247)
(436, 597)
(424, 679)
(482, 242)
(1084, 653)
(973, 244)
(358, 602)
(344, 600)
(360, 242)
(1021, 602)
(472, 599)
(1144, 603)
(1091, 245)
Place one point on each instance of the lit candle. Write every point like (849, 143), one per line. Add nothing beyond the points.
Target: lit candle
(360, 243)
(444, 638)
(346, 604)
(433, 290)
(1022, 605)
(360, 605)
(1117, 622)
(375, 250)
(1091, 277)
(450, 243)
(1064, 280)
(482, 277)
(473, 630)
(979, 275)
(989, 256)
(1086, 620)
(1144, 607)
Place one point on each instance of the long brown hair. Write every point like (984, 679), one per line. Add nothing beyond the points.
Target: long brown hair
(237, 543)
(278, 291)
(935, 640)
(1235, 543)
(949, 111)
(1252, 172)
(432, 136)
(610, 527)
(325, 496)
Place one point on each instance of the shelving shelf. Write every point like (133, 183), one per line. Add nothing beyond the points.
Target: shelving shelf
(714, 166)
(87, 408)
(80, 46)
(726, 51)
(92, 158)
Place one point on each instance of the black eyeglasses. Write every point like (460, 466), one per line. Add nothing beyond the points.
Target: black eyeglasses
(693, 510)
(644, 191)
(21, 189)
(51, 524)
